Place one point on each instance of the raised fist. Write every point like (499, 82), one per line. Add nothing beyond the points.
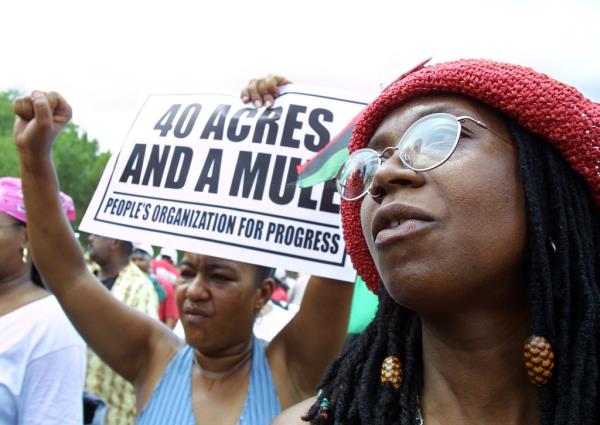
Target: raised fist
(38, 119)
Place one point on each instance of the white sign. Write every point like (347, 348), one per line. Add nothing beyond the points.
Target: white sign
(208, 174)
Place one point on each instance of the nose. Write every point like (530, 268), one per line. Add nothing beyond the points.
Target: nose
(392, 175)
(198, 290)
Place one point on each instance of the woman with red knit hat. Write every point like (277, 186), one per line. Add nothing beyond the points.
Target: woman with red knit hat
(470, 206)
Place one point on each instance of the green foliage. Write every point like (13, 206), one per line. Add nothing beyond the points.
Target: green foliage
(78, 160)
(6, 112)
(79, 165)
(9, 165)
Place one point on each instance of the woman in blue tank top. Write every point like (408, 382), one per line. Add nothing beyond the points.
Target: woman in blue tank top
(220, 374)
(227, 375)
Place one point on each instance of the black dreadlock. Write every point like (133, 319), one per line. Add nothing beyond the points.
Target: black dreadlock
(562, 276)
(262, 273)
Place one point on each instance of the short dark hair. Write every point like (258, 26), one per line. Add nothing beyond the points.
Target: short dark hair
(141, 253)
(262, 273)
(127, 247)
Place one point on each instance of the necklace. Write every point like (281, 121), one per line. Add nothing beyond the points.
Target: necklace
(220, 375)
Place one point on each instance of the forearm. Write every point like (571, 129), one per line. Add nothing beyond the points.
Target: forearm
(61, 263)
(326, 302)
(317, 333)
(91, 308)
(56, 252)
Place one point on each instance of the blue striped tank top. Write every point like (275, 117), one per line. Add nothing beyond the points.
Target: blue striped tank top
(171, 401)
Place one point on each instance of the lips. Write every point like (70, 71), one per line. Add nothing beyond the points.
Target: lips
(196, 313)
(397, 221)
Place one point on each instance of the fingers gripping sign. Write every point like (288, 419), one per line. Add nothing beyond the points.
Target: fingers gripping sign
(263, 91)
(38, 119)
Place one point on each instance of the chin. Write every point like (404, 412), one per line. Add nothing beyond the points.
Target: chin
(198, 340)
(202, 346)
(419, 290)
(407, 296)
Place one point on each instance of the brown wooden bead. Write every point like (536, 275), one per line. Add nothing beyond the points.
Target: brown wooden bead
(539, 360)
(391, 372)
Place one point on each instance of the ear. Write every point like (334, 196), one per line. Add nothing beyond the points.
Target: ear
(23, 236)
(263, 293)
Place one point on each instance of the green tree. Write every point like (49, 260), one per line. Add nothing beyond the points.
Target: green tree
(78, 159)
(9, 165)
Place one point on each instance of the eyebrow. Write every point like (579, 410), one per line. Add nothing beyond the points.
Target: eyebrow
(187, 263)
(221, 266)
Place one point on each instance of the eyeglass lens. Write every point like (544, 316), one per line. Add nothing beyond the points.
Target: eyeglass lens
(426, 144)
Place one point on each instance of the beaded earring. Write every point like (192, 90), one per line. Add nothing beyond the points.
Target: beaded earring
(539, 360)
(391, 372)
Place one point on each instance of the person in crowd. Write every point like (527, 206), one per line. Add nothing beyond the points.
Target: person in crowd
(167, 308)
(126, 284)
(141, 257)
(165, 266)
(42, 358)
(470, 206)
(220, 374)
(280, 292)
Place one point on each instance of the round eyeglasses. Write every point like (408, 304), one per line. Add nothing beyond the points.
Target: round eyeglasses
(427, 144)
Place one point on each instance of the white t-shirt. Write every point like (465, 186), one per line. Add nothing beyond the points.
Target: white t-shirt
(42, 366)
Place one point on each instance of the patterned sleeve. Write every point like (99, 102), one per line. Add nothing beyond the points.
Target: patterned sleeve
(139, 292)
(147, 300)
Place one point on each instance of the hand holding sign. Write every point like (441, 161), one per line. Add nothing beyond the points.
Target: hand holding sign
(208, 174)
(263, 91)
(39, 118)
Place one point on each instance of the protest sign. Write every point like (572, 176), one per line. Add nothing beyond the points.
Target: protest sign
(208, 174)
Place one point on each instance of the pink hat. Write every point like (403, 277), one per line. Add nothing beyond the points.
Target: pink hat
(546, 107)
(12, 203)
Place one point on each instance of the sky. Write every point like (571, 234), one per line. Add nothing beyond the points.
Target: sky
(107, 56)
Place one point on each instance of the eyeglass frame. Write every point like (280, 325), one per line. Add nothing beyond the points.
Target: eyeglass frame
(382, 156)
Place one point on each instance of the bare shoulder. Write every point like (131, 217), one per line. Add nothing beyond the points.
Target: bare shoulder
(293, 415)
(164, 345)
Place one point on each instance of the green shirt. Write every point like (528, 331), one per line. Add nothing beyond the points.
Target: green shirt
(364, 307)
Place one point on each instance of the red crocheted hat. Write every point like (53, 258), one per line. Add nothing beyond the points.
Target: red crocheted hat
(546, 107)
